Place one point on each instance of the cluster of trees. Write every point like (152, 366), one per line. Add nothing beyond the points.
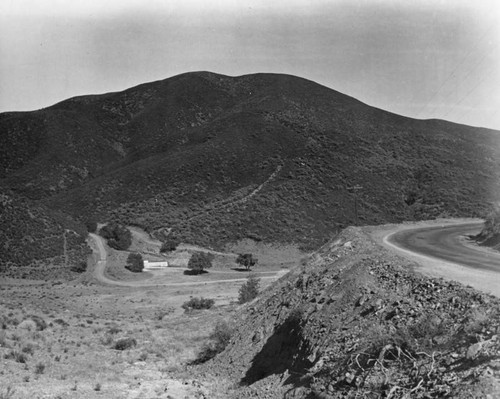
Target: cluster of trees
(118, 236)
(170, 245)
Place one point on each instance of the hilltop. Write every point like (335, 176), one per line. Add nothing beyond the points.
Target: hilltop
(214, 159)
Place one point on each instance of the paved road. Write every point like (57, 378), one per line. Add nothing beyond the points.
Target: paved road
(445, 251)
(448, 243)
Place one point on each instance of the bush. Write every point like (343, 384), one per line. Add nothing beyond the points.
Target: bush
(249, 290)
(91, 226)
(200, 261)
(17, 356)
(198, 303)
(118, 236)
(135, 263)
(39, 368)
(29, 349)
(80, 267)
(219, 339)
(246, 260)
(169, 245)
(124, 343)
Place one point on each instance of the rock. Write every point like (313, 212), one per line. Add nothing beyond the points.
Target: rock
(473, 351)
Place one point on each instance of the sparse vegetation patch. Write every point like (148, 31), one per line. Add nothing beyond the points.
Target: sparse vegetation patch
(197, 304)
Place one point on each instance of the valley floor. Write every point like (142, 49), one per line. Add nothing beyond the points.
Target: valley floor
(58, 339)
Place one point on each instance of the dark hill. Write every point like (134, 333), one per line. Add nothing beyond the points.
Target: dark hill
(273, 157)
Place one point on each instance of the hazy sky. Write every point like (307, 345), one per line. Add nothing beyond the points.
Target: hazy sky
(425, 59)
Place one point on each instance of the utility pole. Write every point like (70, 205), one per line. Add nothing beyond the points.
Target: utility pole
(354, 189)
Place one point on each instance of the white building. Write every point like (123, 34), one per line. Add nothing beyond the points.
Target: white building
(154, 265)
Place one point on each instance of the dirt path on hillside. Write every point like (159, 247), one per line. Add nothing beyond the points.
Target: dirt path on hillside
(100, 268)
(242, 200)
(481, 278)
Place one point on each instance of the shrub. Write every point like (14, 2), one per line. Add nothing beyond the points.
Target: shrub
(200, 261)
(91, 226)
(135, 263)
(39, 368)
(17, 356)
(80, 267)
(29, 349)
(246, 260)
(198, 303)
(249, 290)
(61, 322)
(169, 245)
(118, 236)
(124, 343)
(219, 339)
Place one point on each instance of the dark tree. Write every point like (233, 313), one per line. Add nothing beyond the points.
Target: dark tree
(91, 226)
(169, 245)
(80, 267)
(118, 236)
(246, 260)
(135, 263)
(200, 261)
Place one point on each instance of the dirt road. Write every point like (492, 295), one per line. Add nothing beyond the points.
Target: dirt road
(99, 273)
(441, 249)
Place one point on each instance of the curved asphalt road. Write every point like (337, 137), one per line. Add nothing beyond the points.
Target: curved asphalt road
(444, 251)
(449, 244)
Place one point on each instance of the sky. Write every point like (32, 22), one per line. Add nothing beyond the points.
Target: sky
(418, 58)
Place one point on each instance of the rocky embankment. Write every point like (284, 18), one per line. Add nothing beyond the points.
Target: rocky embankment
(355, 321)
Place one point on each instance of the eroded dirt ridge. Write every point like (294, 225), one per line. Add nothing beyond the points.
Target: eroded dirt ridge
(355, 322)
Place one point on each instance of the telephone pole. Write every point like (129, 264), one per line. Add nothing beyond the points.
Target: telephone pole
(354, 189)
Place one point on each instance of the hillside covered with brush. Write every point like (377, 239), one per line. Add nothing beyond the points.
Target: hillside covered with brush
(38, 242)
(212, 159)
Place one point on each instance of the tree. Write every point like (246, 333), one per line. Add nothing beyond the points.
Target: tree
(80, 267)
(249, 290)
(169, 245)
(135, 263)
(200, 261)
(118, 236)
(91, 225)
(246, 260)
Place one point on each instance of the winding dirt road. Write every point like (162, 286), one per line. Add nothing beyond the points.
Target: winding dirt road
(99, 272)
(442, 249)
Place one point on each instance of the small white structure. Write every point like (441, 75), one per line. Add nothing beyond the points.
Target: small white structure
(155, 265)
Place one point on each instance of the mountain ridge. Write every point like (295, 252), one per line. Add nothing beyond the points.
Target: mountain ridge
(159, 153)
